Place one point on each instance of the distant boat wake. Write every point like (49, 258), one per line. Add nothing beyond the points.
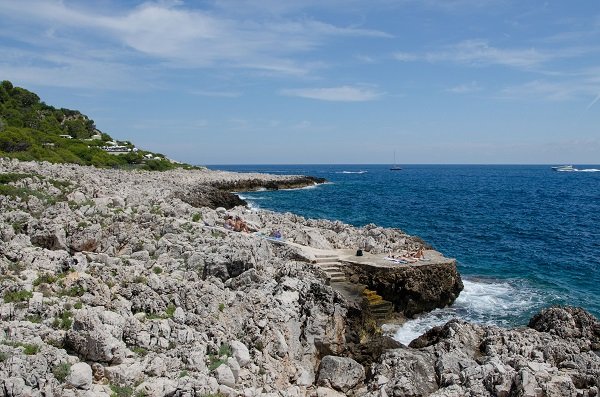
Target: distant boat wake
(583, 170)
(351, 172)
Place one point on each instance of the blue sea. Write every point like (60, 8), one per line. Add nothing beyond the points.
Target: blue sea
(525, 237)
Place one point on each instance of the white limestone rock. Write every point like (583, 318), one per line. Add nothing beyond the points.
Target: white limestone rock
(342, 373)
(80, 376)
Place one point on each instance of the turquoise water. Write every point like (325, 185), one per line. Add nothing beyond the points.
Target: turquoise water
(525, 237)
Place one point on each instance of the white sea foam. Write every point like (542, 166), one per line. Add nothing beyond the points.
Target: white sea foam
(484, 302)
(589, 170)
(351, 172)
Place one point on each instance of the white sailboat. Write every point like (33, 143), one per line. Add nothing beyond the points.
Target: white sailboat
(395, 167)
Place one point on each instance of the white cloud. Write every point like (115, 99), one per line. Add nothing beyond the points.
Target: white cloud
(336, 94)
(405, 57)
(477, 52)
(551, 90)
(473, 86)
(217, 94)
(185, 37)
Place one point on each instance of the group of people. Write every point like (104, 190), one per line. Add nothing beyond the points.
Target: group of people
(407, 257)
(237, 224)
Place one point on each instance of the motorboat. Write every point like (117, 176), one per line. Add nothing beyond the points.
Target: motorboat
(564, 168)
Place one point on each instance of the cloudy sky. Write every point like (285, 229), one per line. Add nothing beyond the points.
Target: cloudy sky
(328, 81)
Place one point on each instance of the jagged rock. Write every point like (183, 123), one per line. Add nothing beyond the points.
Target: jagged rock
(493, 361)
(341, 373)
(93, 341)
(568, 323)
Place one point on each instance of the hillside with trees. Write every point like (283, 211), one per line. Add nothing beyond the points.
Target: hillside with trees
(33, 130)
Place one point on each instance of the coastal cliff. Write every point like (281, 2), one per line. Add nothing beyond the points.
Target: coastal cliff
(413, 289)
(118, 283)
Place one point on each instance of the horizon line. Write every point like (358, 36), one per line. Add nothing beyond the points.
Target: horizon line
(401, 164)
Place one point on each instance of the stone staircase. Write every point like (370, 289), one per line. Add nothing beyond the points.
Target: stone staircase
(331, 266)
(379, 307)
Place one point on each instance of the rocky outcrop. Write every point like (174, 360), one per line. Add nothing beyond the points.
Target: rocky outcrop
(460, 359)
(218, 193)
(340, 373)
(412, 289)
(291, 182)
(209, 196)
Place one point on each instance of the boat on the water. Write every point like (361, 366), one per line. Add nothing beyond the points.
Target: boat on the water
(564, 168)
(395, 167)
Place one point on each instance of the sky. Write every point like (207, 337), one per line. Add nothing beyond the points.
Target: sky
(327, 81)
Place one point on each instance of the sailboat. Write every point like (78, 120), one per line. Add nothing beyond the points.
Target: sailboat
(395, 167)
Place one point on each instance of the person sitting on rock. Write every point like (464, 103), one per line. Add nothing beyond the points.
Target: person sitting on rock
(229, 223)
(240, 225)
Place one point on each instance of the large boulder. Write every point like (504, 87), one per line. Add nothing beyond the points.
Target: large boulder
(568, 323)
(341, 373)
(93, 341)
(80, 376)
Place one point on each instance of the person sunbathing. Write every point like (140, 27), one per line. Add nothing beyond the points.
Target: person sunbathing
(229, 223)
(420, 254)
(240, 225)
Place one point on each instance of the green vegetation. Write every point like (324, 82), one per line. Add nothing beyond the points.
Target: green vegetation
(140, 280)
(4, 356)
(74, 291)
(30, 349)
(17, 296)
(196, 217)
(215, 360)
(12, 177)
(44, 279)
(7, 188)
(121, 391)
(32, 130)
(169, 312)
(157, 270)
(78, 305)
(221, 307)
(61, 371)
(64, 321)
(34, 318)
(140, 351)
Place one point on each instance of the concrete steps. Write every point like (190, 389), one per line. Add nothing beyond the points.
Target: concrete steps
(379, 307)
(331, 266)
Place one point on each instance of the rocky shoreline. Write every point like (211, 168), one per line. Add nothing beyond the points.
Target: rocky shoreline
(118, 283)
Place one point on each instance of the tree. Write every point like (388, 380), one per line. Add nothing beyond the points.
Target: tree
(14, 140)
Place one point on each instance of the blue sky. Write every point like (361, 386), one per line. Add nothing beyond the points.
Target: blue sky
(328, 81)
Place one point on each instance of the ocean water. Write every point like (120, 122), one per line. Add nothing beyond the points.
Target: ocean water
(525, 237)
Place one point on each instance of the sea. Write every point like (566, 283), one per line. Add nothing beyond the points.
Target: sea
(524, 236)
